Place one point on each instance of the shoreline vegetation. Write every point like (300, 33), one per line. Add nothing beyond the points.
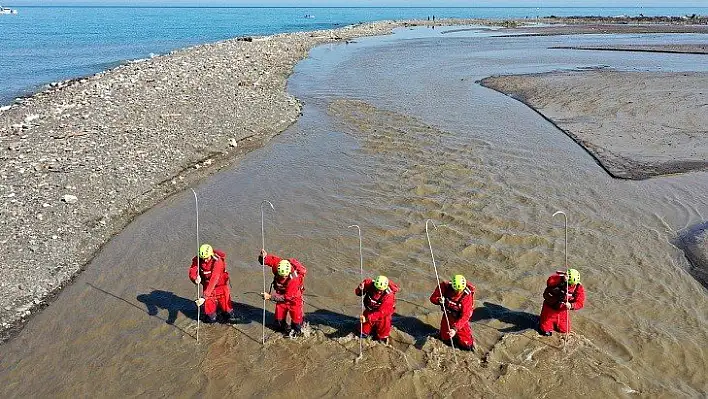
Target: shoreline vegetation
(83, 158)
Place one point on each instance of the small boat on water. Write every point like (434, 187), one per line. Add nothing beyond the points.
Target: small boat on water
(7, 11)
(309, 16)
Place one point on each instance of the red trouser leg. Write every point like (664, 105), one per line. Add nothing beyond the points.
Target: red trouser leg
(210, 307)
(382, 327)
(444, 330)
(223, 295)
(563, 322)
(464, 336)
(281, 310)
(296, 311)
(366, 328)
(549, 318)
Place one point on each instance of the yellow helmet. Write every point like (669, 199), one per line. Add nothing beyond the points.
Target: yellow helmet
(573, 277)
(381, 283)
(206, 251)
(284, 268)
(458, 282)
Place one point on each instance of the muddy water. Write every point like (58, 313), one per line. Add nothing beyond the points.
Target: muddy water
(395, 131)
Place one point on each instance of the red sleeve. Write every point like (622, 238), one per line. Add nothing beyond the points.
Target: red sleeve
(467, 309)
(579, 300)
(367, 282)
(386, 309)
(272, 261)
(193, 269)
(435, 297)
(216, 273)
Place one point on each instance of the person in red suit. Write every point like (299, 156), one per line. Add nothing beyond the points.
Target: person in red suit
(456, 298)
(379, 304)
(563, 293)
(288, 287)
(209, 270)
(273, 261)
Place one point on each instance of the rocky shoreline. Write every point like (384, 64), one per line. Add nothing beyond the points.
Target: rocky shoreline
(81, 159)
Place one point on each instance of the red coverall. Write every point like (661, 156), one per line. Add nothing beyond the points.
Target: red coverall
(272, 261)
(378, 308)
(554, 315)
(215, 282)
(459, 308)
(288, 298)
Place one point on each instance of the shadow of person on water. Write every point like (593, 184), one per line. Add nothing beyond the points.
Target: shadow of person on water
(520, 321)
(174, 304)
(416, 328)
(159, 299)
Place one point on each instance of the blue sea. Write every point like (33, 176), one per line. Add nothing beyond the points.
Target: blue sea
(45, 44)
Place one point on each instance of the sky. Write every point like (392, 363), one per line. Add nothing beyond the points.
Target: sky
(374, 3)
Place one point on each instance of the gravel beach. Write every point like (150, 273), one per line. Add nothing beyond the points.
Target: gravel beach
(81, 159)
(636, 124)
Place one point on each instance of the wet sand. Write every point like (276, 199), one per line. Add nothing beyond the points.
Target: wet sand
(662, 48)
(604, 28)
(636, 124)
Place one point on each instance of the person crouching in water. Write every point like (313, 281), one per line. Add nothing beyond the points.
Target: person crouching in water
(456, 299)
(209, 269)
(379, 297)
(287, 284)
(563, 293)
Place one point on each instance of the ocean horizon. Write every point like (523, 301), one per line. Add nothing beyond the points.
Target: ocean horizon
(44, 44)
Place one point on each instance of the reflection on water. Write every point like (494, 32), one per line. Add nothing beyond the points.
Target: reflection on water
(396, 132)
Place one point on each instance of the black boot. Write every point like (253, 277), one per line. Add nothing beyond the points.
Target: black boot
(231, 317)
(281, 326)
(296, 330)
(209, 318)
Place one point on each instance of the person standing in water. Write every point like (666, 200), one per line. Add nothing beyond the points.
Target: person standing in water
(288, 287)
(456, 299)
(379, 305)
(274, 261)
(557, 301)
(209, 269)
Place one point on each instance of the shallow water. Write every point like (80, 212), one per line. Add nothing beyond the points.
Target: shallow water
(394, 132)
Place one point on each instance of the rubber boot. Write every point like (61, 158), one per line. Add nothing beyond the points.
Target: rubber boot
(281, 326)
(231, 317)
(209, 318)
(296, 330)
(470, 348)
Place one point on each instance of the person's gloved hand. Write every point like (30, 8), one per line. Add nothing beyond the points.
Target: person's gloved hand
(265, 295)
(200, 301)
(568, 305)
(197, 280)
(362, 318)
(453, 332)
(264, 253)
